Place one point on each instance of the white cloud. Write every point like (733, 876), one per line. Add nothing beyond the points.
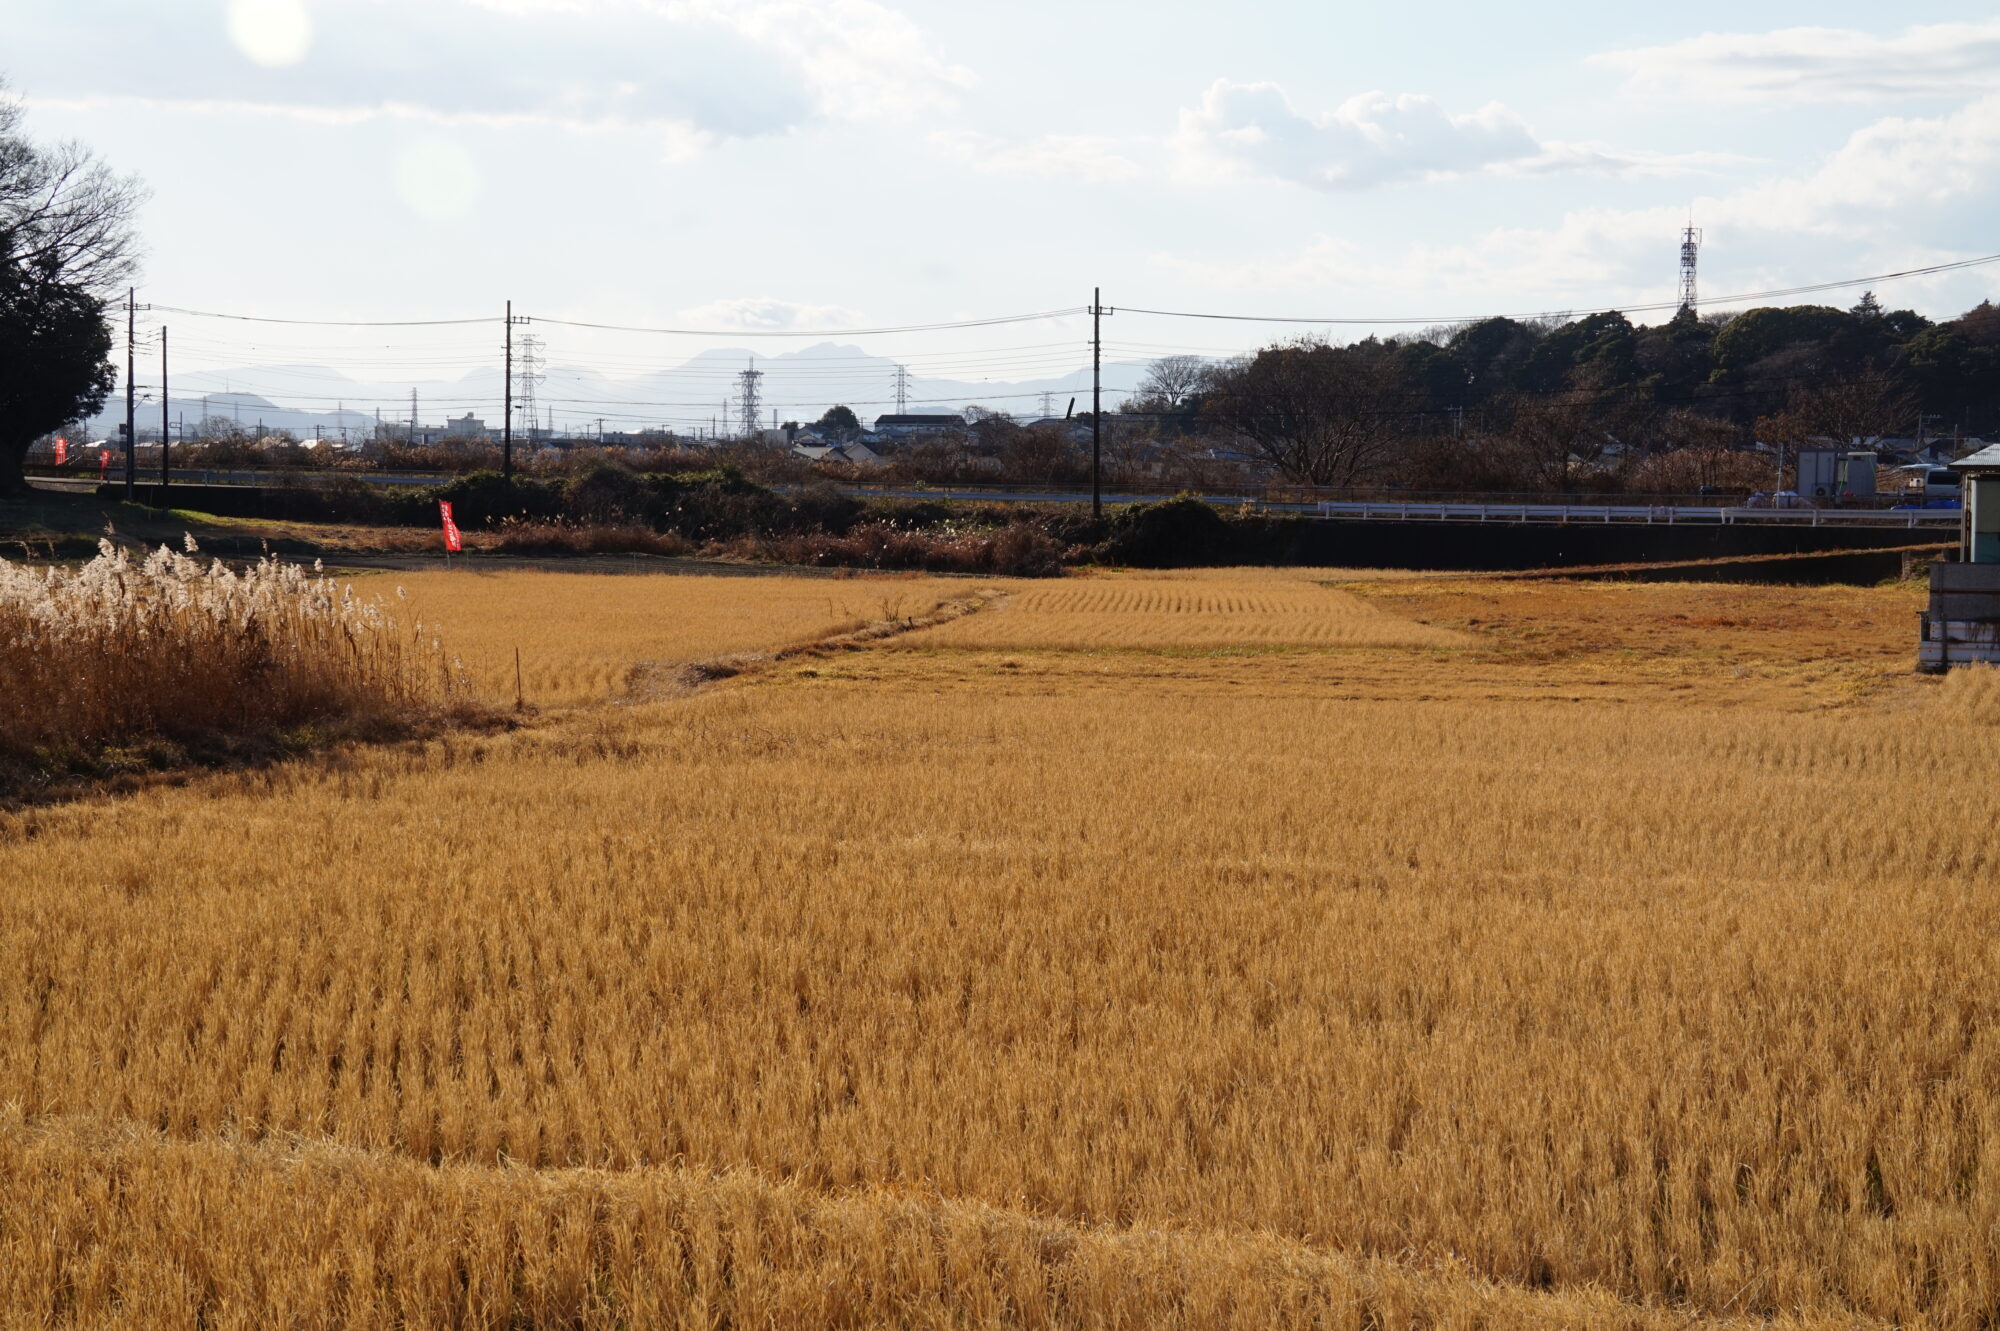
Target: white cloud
(1816, 64)
(764, 315)
(1862, 210)
(674, 140)
(862, 60)
(694, 71)
(1252, 130)
(1090, 157)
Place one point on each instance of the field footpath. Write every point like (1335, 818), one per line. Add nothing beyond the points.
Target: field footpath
(651, 681)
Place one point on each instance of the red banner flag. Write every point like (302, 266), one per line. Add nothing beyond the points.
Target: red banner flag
(451, 539)
(62, 451)
(103, 463)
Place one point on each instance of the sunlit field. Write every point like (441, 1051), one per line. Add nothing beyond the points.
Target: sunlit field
(1177, 612)
(1136, 950)
(581, 636)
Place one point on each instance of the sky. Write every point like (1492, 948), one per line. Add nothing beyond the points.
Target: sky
(791, 166)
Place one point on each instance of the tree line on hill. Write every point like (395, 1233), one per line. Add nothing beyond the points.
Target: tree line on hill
(1506, 404)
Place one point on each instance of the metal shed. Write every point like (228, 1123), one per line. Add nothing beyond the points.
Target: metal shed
(1962, 622)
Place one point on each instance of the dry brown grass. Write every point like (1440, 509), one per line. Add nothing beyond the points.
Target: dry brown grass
(945, 987)
(1150, 610)
(582, 635)
(169, 648)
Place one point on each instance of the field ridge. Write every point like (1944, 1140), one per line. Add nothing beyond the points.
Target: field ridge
(668, 1246)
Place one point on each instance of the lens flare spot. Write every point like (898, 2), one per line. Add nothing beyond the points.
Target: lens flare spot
(272, 33)
(437, 178)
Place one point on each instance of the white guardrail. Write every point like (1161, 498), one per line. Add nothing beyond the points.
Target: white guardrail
(1668, 514)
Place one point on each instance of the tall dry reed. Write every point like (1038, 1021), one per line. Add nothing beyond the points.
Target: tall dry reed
(120, 651)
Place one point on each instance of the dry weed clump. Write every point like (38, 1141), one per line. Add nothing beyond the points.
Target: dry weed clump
(122, 652)
(517, 536)
(1017, 550)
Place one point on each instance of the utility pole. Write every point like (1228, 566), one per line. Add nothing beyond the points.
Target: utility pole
(166, 432)
(1096, 403)
(131, 403)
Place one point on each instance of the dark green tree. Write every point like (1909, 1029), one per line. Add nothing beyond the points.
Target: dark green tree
(65, 244)
(840, 421)
(55, 364)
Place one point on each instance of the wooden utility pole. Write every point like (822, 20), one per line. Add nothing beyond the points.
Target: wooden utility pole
(166, 429)
(1096, 402)
(507, 408)
(131, 402)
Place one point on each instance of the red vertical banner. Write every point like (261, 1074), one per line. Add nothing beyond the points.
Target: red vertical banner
(62, 451)
(103, 463)
(451, 538)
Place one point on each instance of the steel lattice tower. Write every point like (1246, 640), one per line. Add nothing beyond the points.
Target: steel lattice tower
(528, 362)
(902, 389)
(748, 378)
(1690, 247)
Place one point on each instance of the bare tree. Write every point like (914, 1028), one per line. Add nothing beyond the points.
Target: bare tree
(1319, 414)
(64, 216)
(1554, 437)
(1172, 381)
(66, 243)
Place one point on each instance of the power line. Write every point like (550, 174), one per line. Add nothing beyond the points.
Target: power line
(1571, 313)
(818, 332)
(324, 323)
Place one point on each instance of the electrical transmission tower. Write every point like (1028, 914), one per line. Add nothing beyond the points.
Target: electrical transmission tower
(902, 390)
(1048, 405)
(748, 379)
(528, 363)
(1690, 246)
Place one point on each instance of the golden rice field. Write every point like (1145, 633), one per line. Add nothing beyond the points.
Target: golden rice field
(580, 638)
(1183, 611)
(1486, 954)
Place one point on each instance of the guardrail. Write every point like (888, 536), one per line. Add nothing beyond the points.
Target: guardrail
(1564, 514)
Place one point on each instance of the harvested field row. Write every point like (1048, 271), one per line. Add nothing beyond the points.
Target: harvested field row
(1121, 612)
(580, 636)
(134, 1229)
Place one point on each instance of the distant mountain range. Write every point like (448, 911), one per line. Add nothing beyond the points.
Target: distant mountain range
(687, 398)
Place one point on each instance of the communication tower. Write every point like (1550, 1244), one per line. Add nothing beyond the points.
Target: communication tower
(1690, 247)
(748, 379)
